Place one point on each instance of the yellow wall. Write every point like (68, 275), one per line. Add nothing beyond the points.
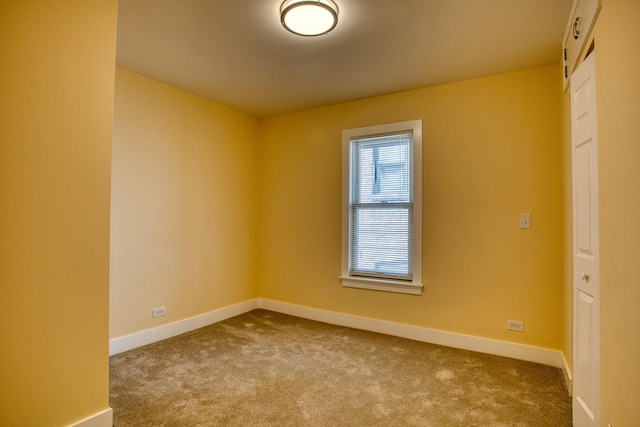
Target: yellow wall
(492, 149)
(183, 213)
(56, 102)
(617, 40)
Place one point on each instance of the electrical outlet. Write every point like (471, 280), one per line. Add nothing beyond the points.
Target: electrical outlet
(525, 220)
(158, 311)
(515, 325)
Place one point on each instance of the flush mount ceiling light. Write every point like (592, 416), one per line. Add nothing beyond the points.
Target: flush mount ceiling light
(309, 17)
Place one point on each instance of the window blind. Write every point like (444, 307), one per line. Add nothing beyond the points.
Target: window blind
(381, 206)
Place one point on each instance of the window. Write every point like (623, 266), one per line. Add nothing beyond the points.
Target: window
(382, 207)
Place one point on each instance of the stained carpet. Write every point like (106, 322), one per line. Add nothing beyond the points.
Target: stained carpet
(269, 369)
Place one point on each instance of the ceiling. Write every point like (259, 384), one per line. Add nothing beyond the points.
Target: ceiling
(237, 53)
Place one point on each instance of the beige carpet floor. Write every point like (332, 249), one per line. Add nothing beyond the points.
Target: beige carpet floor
(268, 369)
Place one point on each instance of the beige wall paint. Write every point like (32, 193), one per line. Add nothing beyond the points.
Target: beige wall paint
(183, 212)
(56, 103)
(617, 41)
(492, 149)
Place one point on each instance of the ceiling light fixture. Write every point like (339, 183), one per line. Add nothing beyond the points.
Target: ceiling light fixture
(309, 17)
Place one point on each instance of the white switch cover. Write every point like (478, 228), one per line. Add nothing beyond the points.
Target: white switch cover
(525, 220)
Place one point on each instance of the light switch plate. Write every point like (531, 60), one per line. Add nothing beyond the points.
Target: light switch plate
(525, 220)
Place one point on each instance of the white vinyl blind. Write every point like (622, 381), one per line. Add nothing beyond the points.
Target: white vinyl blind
(381, 206)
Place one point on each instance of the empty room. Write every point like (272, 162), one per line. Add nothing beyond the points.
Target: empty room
(420, 214)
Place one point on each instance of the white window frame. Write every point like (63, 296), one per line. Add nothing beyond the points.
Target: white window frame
(402, 286)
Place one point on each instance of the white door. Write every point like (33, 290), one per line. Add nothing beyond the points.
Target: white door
(586, 271)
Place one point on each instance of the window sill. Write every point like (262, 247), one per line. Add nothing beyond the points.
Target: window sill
(381, 285)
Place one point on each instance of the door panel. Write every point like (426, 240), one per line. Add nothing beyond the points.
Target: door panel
(583, 199)
(584, 388)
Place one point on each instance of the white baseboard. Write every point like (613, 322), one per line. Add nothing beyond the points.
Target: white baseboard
(544, 356)
(101, 419)
(466, 342)
(138, 339)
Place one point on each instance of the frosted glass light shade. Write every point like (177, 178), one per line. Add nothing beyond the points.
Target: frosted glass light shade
(309, 17)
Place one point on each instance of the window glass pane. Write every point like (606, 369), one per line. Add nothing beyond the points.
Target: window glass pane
(382, 169)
